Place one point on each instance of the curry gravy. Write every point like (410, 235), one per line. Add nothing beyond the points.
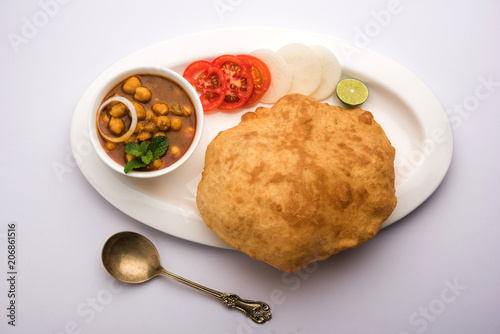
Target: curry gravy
(162, 91)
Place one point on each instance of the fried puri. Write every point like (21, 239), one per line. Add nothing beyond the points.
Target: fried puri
(298, 182)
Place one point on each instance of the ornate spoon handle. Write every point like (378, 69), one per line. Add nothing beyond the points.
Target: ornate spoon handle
(259, 312)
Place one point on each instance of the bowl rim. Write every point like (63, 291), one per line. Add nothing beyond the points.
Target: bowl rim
(144, 70)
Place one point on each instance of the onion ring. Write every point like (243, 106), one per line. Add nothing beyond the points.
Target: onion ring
(133, 124)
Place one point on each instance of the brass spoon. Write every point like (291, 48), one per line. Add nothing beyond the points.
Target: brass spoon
(132, 258)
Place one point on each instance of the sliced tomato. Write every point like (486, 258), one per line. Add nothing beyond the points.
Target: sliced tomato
(238, 79)
(209, 81)
(261, 77)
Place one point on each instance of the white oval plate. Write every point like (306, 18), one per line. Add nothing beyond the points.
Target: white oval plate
(411, 115)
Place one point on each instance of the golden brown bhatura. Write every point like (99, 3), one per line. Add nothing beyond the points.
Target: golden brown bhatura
(298, 182)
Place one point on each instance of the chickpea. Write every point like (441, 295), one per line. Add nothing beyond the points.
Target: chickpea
(162, 122)
(176, 109)
(141, 113)
(176, 124)
(116, 125)
(187, 111)
(140, 125)
(159, 133)
(150, 127)
(130, 139)
(150, 115)
(129, 157)
(160, 109)
(175, 150)
(157, 163)
(118, 110)
(144, 135)
(105, 118)
(110, 145)
(131, 84)
(177, 92)
(142, 94)
(188, 132)
(112, 103)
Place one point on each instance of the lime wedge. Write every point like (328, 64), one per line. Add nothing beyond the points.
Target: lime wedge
(352, 92)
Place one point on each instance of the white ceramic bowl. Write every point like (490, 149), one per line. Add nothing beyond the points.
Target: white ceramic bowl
(115, 80)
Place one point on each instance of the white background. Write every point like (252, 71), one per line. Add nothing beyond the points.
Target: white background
(435, 271)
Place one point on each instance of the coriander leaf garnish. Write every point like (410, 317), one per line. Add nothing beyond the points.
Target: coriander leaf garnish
(158, 147)
(145, 153)
(148, 157)
(136, 149)
(134, 163)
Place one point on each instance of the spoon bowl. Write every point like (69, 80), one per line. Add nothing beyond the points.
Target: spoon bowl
(132, 258)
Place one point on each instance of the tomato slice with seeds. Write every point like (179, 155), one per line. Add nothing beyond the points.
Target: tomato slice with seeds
(238, 79)
(209, 81)
(261, 77)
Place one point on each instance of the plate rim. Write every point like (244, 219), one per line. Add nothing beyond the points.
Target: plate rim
(416, 195)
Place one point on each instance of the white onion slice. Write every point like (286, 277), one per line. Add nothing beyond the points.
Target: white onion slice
(133, 124)
(305, 67)
(281, 76)
(330, 72)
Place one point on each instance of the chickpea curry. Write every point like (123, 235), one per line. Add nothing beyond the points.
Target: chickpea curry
(162, 108)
